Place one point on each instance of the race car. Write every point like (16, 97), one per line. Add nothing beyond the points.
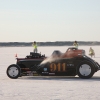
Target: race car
(71, 63)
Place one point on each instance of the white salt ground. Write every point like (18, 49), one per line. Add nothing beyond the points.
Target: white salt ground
(45, 87)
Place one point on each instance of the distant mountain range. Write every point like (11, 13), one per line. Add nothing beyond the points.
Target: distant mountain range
(57, 43)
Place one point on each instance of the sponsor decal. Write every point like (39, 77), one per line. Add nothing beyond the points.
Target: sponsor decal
(51, 73)
(45, 72)
(70, 65)
(45, 69)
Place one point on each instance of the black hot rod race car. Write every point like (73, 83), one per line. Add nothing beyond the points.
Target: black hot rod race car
(71, 63)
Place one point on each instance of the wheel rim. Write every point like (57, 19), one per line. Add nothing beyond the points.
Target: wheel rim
(85, 70)
(13, 71)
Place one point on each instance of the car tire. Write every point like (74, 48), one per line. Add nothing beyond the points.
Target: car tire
(13, 71)
(85, 70)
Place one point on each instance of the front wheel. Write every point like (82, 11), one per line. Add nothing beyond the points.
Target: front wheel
(85, 70)
(13, 71)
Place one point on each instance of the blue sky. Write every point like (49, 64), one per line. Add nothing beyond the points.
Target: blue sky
(49, 20)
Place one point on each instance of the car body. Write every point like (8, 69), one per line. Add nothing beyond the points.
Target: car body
(71, 63)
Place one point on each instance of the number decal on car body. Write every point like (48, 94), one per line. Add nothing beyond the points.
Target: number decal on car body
(59, 67)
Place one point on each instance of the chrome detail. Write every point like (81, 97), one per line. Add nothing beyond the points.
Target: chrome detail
(85, 70)
(13, 71)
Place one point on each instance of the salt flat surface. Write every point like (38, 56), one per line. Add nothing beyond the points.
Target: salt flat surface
(45, 87)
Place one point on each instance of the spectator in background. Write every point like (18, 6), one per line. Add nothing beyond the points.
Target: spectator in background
(75, 44)
(35, 47)
(91, 52)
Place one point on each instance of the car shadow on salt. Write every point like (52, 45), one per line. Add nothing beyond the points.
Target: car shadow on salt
(60, 78)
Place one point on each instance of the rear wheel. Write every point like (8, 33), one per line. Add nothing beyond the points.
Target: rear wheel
(85, 70)
(13, 71)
